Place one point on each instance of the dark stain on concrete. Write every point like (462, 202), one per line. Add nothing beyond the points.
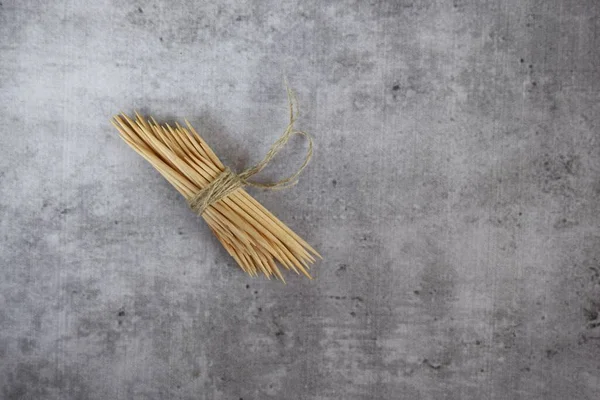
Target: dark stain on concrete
(39, 380)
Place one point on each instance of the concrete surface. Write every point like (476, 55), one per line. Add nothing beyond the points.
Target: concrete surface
(454, 194)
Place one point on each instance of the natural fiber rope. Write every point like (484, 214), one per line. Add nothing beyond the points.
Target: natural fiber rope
(228, 181)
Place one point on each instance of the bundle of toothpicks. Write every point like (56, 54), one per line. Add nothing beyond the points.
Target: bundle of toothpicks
(254, 237)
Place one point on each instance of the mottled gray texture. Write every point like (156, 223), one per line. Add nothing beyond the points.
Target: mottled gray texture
(454, 194)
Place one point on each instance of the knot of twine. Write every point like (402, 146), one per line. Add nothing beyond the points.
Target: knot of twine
(228, 181)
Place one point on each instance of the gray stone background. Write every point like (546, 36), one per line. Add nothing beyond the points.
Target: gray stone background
(454, 194)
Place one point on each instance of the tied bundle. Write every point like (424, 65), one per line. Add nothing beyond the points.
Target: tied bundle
(253, 236)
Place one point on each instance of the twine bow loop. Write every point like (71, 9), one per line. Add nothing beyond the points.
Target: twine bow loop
(228, 181)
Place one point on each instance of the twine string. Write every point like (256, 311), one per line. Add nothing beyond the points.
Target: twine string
(228, 181)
